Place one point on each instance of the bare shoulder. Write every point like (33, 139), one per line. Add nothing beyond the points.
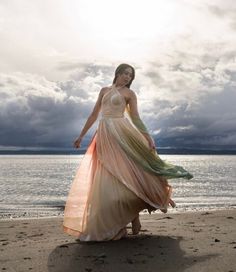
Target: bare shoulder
(103, 90)
(130, 93)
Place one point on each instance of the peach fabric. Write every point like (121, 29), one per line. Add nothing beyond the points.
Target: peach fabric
(111, 185)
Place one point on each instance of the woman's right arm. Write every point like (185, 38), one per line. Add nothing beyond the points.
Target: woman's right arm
(91, 119)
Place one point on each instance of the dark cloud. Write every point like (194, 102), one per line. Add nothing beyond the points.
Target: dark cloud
(192, 98)
(210, 124)
(36, 115)
(181, 106)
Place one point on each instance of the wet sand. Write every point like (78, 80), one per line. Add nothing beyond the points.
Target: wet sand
(190, 241)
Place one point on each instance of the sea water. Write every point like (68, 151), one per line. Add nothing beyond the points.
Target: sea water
(38, 185)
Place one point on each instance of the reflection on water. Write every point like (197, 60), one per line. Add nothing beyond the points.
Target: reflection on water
(37, 185)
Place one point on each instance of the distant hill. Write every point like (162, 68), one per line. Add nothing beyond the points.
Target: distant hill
(170, 151)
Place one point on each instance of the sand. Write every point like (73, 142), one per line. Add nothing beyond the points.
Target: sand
(190, 241)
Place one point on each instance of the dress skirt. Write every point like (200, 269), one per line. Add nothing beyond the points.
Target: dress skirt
(118, 177)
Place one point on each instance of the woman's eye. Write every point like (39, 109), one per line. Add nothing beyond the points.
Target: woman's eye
(128, 74)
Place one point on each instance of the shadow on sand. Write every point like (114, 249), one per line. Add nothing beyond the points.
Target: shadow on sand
(140, 253)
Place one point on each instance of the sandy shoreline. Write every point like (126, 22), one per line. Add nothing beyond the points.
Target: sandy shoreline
(190, 241)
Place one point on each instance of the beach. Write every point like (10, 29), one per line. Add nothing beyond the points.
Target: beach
(189, 241)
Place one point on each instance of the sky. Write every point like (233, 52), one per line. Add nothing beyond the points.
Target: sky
(56, 55)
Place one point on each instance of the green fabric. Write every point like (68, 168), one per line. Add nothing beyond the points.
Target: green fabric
(149, 160)
(137, 122)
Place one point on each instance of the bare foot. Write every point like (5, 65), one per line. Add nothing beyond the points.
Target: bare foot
(164, 210)
(122, 233)
(172, 203)
(136, 225)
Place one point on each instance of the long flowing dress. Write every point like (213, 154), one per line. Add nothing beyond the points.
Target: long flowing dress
(118, 177)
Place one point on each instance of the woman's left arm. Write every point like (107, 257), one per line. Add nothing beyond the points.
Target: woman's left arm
(134, 115)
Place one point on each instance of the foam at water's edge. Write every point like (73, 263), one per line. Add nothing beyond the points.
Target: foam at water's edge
(45, 214)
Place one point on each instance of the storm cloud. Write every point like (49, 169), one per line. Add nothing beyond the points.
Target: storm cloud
(36, 112)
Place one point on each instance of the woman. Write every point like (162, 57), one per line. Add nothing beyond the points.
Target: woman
(120, 174)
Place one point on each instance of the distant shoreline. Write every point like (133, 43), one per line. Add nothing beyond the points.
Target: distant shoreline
(161, 151)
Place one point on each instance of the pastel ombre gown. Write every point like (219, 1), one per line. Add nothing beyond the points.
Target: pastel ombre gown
(118, 177)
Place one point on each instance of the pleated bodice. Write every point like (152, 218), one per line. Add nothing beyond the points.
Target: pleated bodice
(113, 104)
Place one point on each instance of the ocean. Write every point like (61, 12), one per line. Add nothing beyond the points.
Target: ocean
(37, 185)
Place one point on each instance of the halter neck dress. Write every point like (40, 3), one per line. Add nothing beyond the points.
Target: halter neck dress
(118, 177)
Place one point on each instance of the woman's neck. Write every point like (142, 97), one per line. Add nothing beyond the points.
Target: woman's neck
(117, 85)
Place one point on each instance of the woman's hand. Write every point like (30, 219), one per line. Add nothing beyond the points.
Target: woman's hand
(77, 142)
(151, 144)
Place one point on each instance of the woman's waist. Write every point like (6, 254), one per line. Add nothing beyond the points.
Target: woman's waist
(112, 115)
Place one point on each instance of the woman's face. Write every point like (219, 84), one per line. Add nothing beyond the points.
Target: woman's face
(126, 76)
